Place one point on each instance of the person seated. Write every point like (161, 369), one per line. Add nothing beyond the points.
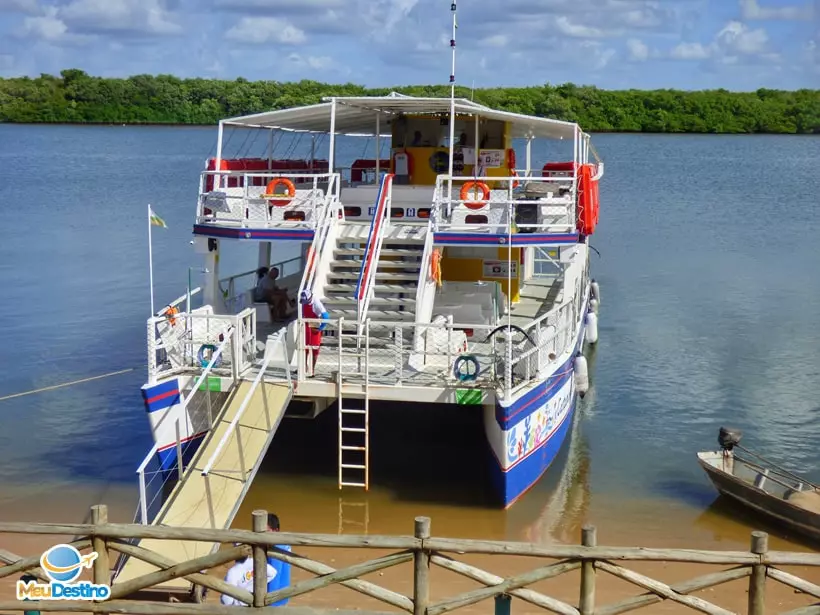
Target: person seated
(268, 291)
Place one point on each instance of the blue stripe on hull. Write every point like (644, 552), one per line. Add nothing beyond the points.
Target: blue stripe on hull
(168, 457)
(511, 485)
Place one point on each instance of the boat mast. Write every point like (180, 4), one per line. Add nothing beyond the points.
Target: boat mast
(452, 102)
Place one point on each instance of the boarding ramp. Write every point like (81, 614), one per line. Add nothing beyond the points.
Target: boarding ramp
(215, 483)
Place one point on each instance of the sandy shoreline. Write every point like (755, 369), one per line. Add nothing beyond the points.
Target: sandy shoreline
(624, 528)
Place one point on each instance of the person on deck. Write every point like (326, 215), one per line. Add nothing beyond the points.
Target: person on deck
(268, 291)
(312, 308)
(282, 578)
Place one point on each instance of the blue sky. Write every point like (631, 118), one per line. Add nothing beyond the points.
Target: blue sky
(688, 44)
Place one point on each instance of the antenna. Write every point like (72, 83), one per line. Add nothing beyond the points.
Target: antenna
(452, 100)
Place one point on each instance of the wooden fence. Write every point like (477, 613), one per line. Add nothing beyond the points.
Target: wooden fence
(758, 564)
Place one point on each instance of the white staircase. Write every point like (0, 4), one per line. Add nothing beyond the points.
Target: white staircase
(397, 272)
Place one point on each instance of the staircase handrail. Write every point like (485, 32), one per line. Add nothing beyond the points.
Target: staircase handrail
(426, 280)
(245, 402)
(372, 249)
(329, 217)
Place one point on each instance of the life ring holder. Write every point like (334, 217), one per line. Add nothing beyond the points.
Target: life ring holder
(270, 191)
(466, 376)
(200, 355)
(170, 313)
(485, 194)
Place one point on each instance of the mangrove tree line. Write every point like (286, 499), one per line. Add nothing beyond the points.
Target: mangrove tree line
(76, 97)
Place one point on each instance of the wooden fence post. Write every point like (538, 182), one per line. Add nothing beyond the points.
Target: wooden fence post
(421, 570)
(260, 560)
(102, 570)
(586, 604)
(757, 582)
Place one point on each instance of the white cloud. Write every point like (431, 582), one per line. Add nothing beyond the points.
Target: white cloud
(736, 37)
(383, 16)
(47, 27)
(312, 62)
(565, 26)
(732, 42)
(690, 51)
(638, 50)
(281, 6)
(262, 30)
(6, 61)
(130, 16)
(751, 10)
(496, 40)
(22, 6)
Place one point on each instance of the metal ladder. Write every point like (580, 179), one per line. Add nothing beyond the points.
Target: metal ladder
(354, 423)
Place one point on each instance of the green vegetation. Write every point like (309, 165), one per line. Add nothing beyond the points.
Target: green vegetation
(76, 97)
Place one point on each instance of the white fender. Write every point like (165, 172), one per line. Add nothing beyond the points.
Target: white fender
(593, 305)
(581, 374)
(592, 328)
(595, 291)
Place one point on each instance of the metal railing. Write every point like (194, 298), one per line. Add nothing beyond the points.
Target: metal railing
(244, 200)
(175, 342)
(144, 504)
(232, 426)
(427, 284)
(540, 204)
(425, 354)
(372, 249)
(326, 224)
(234, 300)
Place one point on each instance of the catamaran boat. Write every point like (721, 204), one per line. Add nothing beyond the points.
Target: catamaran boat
(455, 270)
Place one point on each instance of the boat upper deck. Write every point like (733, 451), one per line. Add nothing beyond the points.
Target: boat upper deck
(452, 163)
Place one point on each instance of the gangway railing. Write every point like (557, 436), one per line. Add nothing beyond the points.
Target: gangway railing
(372, 249)
(232, 426)
(144, 504)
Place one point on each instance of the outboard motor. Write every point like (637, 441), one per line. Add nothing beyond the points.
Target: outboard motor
(728, 438)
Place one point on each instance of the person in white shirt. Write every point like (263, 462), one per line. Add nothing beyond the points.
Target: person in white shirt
(241, 575)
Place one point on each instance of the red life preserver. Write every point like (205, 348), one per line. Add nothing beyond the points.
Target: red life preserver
(272, 184)
(485, 194)
(587, 206)
(511, 166)
(170, 312)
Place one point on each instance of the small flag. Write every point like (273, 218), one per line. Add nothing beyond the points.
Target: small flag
(155, 219)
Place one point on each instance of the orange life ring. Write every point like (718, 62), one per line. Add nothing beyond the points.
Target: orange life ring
(170, 312)
(435, 266)
(485, 194)
(272, 185)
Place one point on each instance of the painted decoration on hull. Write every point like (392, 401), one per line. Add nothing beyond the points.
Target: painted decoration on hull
(522, 453)
(529, 434)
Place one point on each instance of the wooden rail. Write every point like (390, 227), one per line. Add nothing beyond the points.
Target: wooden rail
(758, 564)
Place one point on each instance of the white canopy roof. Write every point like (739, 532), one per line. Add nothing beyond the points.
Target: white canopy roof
(357, 116)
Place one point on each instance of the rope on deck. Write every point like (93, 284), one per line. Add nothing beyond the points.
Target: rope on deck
(67, 384)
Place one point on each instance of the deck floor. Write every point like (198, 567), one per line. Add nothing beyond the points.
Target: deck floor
(189, 504)
(537, 297)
